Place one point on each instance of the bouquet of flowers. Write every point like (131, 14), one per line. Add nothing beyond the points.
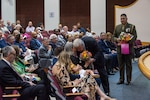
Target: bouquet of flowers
(85, 55)
(125, 36)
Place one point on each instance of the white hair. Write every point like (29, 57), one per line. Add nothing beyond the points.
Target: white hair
(52, 36)
(68, 46)
(78, 42)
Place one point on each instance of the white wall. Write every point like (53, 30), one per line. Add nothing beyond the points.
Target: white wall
(139, 15)
(98, 16)
(51, 13)
(8, 10)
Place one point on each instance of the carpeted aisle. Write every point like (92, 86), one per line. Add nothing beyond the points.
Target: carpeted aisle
(138, 90)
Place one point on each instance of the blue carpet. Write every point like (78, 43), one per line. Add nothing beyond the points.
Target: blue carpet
(138, 90)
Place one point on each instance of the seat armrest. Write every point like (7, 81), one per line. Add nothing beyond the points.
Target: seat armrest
(70, 86)
(10, 95)
(75, 94)
(11, 88)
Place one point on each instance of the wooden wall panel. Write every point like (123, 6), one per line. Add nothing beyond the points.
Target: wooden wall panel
(110, 12)
(30, 10)
(0, 10)
(73, 11)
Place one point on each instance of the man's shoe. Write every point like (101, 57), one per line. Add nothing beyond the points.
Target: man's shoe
(109, 73)
(117, 68)
(128, 83)
(120, 82)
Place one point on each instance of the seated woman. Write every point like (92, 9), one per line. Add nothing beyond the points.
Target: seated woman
(113, 48)
(87, 84)
(22, 70)
(26, 53)
(69, 48)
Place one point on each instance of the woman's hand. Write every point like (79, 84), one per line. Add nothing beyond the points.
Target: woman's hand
(88, 62)
(76, 81)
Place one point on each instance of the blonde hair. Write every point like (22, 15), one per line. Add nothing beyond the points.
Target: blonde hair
(109, 34)
(64, 60)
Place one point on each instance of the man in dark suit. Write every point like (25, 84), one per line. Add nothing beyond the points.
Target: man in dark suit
(9, 77)
(99, 62)
(125, 59)
(108, 55)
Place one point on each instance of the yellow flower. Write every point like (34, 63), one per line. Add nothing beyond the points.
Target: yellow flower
(85, 55)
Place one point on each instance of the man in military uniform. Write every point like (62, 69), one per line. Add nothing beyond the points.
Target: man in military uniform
(125, 59)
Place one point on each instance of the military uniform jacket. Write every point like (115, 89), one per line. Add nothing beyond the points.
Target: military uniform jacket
(128, 28)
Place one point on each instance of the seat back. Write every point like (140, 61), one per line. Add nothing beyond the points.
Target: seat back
(45, 34)
(55, 85)
(1, 92)
(61, 95)
(11, 96)
(138, 42)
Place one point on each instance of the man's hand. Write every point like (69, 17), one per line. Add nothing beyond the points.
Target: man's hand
(31, 83)
(118, 40)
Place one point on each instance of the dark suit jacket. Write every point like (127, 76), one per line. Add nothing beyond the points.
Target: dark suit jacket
(104, 47)
(92, 46)
(111, 45)
(8, 77)
(132, 31)
(34, 45)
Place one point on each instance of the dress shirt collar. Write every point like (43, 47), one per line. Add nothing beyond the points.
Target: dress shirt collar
(6, 61)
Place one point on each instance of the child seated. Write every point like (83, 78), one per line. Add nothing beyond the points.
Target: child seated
(77, 69)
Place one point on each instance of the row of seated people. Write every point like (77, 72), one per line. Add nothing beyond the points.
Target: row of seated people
(140, 49)
(61, 58)
(108, 47)
(34, 45)
(30, 42)
(11, 75)
(64, 79)
(31, 75)
(53, 44)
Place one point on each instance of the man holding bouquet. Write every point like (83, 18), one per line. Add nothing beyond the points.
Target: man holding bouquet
(125, 35)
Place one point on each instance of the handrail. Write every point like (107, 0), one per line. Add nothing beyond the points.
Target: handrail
(144, 67)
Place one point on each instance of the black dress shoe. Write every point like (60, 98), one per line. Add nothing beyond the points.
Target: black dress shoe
(109, 73)
(120, 82)
(128, 83)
